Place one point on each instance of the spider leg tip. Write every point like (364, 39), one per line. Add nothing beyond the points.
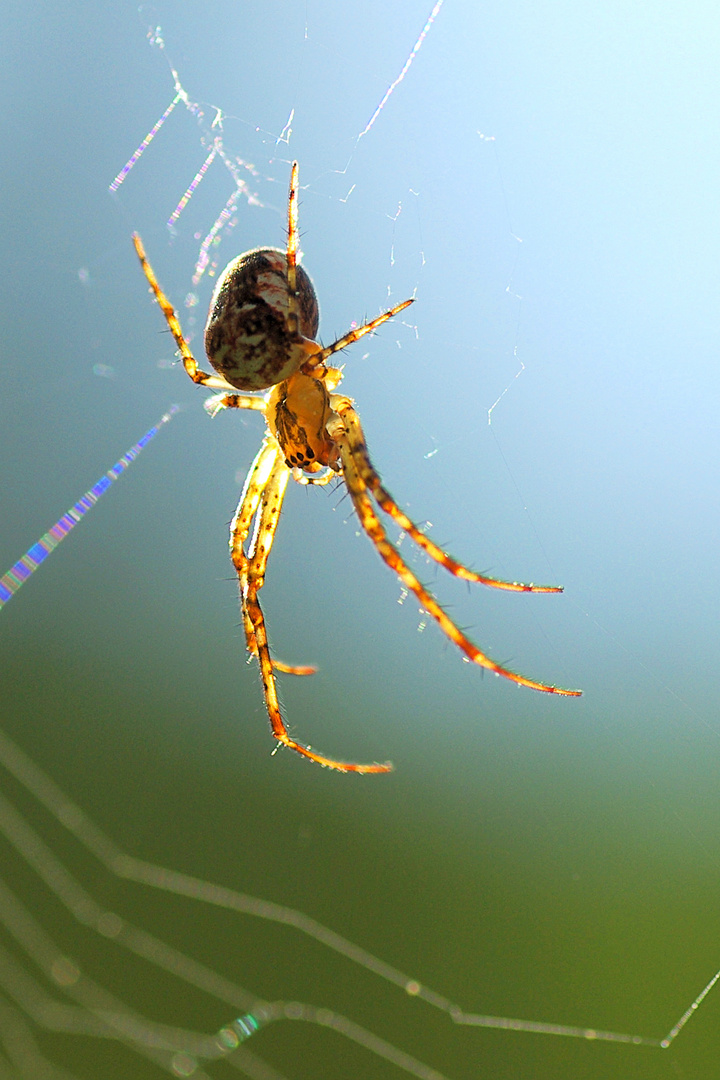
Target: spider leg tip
(378, 767)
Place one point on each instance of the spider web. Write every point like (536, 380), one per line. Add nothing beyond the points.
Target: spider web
(525, 861)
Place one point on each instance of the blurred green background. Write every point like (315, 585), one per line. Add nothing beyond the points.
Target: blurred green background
(546, 180)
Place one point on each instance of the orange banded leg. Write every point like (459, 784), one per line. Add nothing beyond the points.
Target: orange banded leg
(266, 523)
(218, 402)
(373, 527)
(250, 570)
(292, 321)
(385, 501)
(189, 361)
(273, 708)
(247, 507)
(256, 489)
(354, 335)
(255, 484)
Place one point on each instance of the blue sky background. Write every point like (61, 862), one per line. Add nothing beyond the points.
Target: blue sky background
(555, 168)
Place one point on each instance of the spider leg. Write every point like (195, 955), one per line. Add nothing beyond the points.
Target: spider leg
(253, 491)
(255, 483)
(385, 501)
(353, 335)
(268, 485)
(373, 527)
(218, 402)
(189, 361)
(292, 321)
(247, 507)
(317, 479)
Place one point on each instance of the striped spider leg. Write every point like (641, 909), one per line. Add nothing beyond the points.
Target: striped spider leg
(260, 338)
(363, 482)
(261, 501)
(259, 508)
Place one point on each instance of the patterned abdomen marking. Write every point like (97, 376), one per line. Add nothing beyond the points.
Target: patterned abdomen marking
(247, 339)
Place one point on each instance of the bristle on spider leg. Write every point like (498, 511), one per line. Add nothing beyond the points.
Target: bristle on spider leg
(291, 256)
(388, 504)
(391, 556)
(279, 729)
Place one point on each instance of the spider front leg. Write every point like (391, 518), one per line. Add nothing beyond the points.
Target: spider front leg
(292, 320)
(348, 433)
(262, 499)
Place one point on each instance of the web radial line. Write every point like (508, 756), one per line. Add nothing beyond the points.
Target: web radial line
(67, 813)
(144, 144)
(675, 1031)
(406, 67)
(96, 1011)
(18, 574)
(191, 190)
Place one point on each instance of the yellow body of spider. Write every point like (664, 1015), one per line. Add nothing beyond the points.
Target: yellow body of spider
(260, 336)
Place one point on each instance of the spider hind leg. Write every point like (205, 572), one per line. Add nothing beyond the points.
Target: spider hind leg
(362, 481)
(386, 503)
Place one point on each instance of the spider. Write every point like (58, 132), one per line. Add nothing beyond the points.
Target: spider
(260, 339)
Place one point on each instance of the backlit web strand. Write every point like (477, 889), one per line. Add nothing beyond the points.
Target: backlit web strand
(19, 573)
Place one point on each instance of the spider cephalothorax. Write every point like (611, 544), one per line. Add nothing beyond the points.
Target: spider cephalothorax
(260, 335)
(299, 411)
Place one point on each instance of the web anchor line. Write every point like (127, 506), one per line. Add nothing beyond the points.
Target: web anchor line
(19, 573)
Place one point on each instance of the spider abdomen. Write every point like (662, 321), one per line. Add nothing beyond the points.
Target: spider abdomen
(247, 339)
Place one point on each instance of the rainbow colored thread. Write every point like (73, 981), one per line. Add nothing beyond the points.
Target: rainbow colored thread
(18, 574)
